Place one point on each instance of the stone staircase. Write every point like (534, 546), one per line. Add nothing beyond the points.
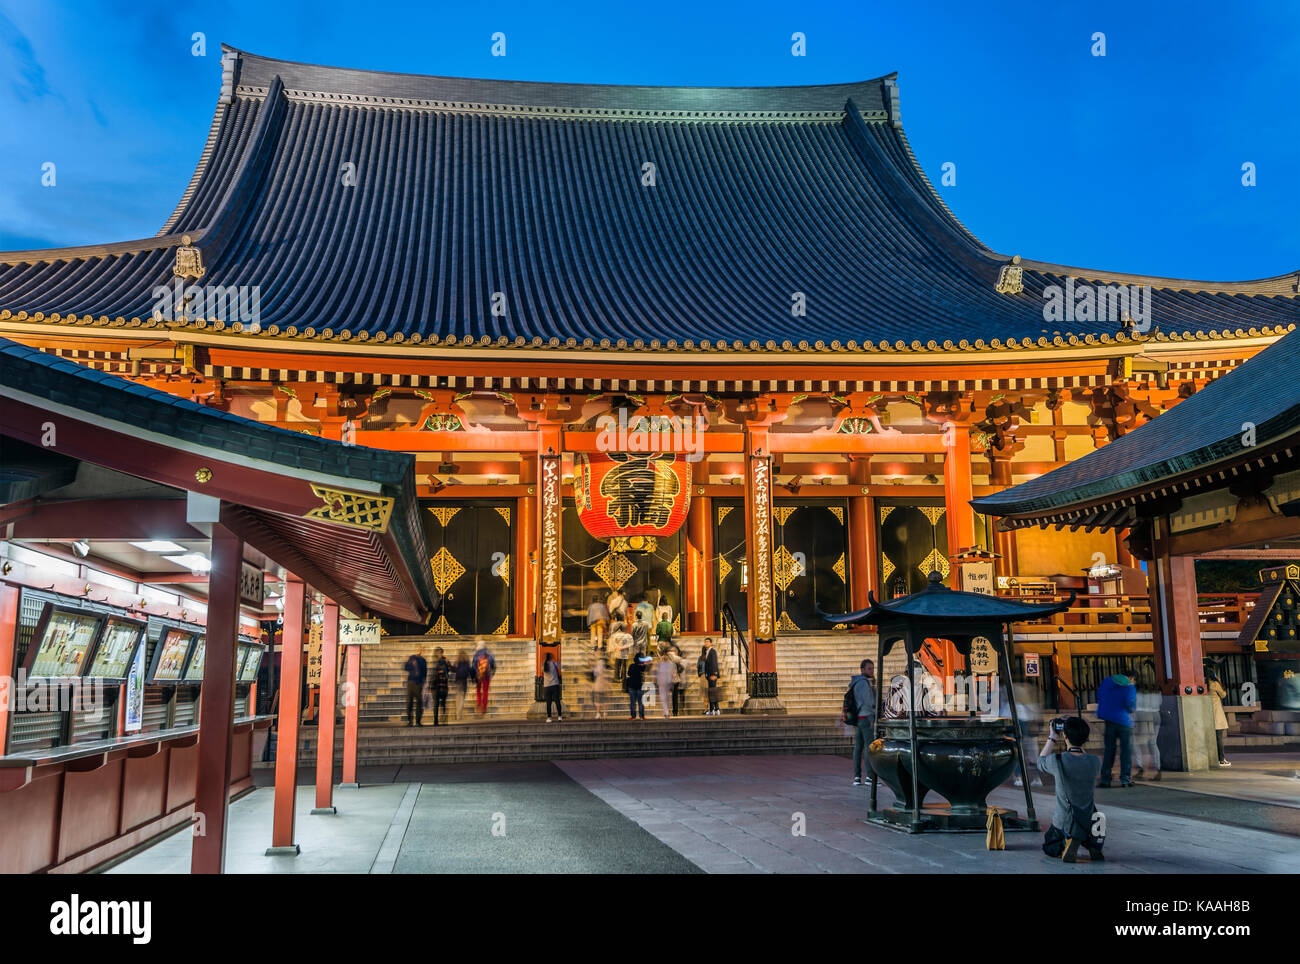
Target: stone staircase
(1263, 726)
(814, 671)
(513, 741)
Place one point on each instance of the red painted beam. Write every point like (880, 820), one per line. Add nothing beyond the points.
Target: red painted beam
(118, 519)
(470, 441)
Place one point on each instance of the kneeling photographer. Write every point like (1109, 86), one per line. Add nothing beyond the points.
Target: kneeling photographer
(1073, 821)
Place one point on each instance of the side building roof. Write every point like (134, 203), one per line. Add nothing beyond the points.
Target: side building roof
(403, 208)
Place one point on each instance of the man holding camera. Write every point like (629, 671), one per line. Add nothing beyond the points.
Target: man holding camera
(1074, 822)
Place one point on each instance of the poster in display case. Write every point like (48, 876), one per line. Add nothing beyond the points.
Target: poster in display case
(169, 660)
(62, 642)
(250, 665)
(117, 643)
(194, 671)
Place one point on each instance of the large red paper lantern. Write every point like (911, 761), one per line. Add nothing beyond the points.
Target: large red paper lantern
(621, 495)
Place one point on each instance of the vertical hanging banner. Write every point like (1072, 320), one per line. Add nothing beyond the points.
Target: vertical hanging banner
(314, 659)
(550, 561)
(134, 718)
(760, 566)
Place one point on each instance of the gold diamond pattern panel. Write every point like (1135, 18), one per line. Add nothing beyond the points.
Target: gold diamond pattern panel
(936, 560)
(444, 513)
(783, 512)
(615, 569)
(675, 569)
(724, 568)
(723, 511)
(504, 512)
(838, 568)
(786, 568)
(351, 508)
(446, 569)
(785, 624)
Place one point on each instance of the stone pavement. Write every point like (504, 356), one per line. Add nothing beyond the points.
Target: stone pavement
(722, 815)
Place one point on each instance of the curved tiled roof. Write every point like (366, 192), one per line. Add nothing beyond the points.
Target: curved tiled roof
(507, 212)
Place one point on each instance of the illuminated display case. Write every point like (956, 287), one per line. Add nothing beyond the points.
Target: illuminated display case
(62, 642)
(250, 663)
(170, 657)
(194, 670)
(116, 648)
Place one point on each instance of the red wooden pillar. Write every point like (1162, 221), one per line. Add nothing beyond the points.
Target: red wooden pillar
(699, 593)
(1004, 542)
(762, 590)
(329, 674)
(351, 716)
(217, 704)
(8, 651)
(525, 547)
(957, 491)
(286, 756)
(862, 572)
(1186, 735)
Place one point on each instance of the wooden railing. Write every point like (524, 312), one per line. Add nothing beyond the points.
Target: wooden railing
(1099, 612)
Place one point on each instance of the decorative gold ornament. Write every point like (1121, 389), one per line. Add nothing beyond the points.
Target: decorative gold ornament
(446, 569)
(442, 628)
(1011, 278)
(786, 568)
(675, 569)
(783, 512)
(444, 513)
(370, 512)
(189, 260)
(724, 568)
(503, 629)
(723, 510)
(504, 512)
(838, 512)
(936, 561)
(886, 568)
(203, 474)
(838, 568)
(504, 570)
(615, 569)
(785, 624)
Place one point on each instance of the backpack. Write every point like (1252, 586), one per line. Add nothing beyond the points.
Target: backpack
(849, 710)
(483, 667)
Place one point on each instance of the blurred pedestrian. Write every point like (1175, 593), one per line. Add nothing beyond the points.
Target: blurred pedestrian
(633, 684)
(679, 679)
(597, 620)
(640, 633)
(481, 667)
(551, 686)
(600, 685)
(417, 671)
(709, 661)
(620, 644)
(665, 676)
(1217, 696)
(461, 673)
(439, 680)
(1116, 701)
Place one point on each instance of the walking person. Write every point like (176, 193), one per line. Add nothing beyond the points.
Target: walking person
(709, 659)
(664, 632)
(863, 717)
(417, 671)
(1116, 701)
(665, 677)
(640, 633)
(1217, 695)
(551, 686)
(439, 680)
(616, 603)
(597, 620)
(633, 683)
(679, 679)
(481, 667)
(460, 673)
(600, 685)
(620, 644)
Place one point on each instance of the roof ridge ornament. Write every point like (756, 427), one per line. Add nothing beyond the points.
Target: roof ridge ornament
(1011, 278)
(228, 61)
(189, 260)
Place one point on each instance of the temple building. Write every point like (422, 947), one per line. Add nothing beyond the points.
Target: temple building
(722, 349)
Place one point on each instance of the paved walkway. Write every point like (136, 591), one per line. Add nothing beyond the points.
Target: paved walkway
(742, 814)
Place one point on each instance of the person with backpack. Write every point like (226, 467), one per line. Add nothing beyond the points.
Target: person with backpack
(633, 683)
(416, 668)
(664, 633)
(439, 681)
(481, 666)
(620, 644)
(859, 712)
(708, 667)
(551, 686)
(1074, 820)
(461, 674)
(640, 634)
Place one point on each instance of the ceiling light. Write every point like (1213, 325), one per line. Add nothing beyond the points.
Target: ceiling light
(158, 546)
(193, 561)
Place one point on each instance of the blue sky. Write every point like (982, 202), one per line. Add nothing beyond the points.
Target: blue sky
(1131, 161)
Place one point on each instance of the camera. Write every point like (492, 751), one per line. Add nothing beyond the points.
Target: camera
(1058, 725)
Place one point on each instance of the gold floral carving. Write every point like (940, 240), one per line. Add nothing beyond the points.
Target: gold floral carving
(351, 508)
(446, 569)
